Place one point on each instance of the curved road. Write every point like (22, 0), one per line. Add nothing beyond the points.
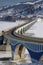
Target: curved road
(13, 35)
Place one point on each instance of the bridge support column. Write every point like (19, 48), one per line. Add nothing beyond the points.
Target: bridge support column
(12, 55)
(13, 50)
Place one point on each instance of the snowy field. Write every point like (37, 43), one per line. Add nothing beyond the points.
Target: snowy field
(36, 30)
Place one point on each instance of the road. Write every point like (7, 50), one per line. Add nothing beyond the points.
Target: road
(13, 35)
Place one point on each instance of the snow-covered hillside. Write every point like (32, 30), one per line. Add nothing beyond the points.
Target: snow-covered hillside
(21, 10)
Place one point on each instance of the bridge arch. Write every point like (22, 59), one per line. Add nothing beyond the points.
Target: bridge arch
(20, 52)
(35, 50)
(41, 59)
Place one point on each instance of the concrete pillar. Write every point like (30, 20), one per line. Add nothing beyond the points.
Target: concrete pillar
(16, 55)
(21, 31)
(12, 55)
(18, 31)
(13, 51)
(23, 53)
(8, 47)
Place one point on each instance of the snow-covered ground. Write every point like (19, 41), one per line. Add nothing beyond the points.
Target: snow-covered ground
(4, 25)
(5, 54)
(36, 30)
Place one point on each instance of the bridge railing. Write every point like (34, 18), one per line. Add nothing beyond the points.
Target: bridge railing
(34, 46)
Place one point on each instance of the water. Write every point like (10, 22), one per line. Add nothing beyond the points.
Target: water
(9, 2)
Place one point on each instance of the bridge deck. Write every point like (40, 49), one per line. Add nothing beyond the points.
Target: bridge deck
(13, 35)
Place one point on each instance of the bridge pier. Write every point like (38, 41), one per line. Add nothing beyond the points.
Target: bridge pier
(12, 51)
(22, 48)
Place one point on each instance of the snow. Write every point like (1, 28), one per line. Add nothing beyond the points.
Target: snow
(5, 54)
(4, 25)
(29, 16)
(8, 12)
(33, 2)
(26, 51)
(29, 3)
(36, 30)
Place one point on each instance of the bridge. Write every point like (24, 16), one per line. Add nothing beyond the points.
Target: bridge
(32, 44)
